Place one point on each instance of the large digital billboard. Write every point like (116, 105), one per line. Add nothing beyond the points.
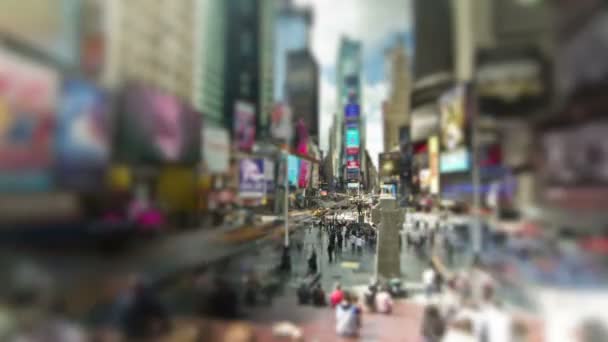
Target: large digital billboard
(156, 127)
(352, 137)
(252, 180)
(453, 119)
(352, 111)
(83, 136)
(28, 94)
(293, 170)
(455, 161)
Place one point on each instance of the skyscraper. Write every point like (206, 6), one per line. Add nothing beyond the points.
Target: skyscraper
(292, 33)
(349, 111)
(248, 67)
(302, 89)
(210, 51)
(152, 44)
(396, 111)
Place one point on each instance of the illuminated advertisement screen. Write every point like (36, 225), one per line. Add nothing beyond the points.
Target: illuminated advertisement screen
(83, 137)
(352, 137)
(454, 161)
(293, 170)
(352, 112)
(155, 127)
(352, 151)
(28, 95)
(453, 119)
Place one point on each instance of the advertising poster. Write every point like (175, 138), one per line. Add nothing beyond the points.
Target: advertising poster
(454, 151)
(28, 95)
(389, 164)
(244, 125)
(433, 165)
(293, 170)
(352, 164)
(155, 127)
(352, 137)
(452, 106)
(269, 175)
(352, 151)
(304, 174)
(280, 122)
(83, 135)
(352, 112)
(302, 137)
(216, 149)
(252, 180)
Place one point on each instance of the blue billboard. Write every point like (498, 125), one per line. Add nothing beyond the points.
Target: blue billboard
(352, 112)
(83, 137)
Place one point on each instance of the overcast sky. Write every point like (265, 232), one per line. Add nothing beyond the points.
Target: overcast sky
(375, 23)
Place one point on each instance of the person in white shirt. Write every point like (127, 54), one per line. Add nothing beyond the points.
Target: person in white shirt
(428, 280)
(348, 317)
(360, 243)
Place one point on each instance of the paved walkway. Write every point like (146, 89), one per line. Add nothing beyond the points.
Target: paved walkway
(318, 324)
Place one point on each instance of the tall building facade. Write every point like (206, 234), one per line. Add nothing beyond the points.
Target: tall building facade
(292, 33)
(349, 111)
(268, 12)
(153, 44)
(210, 51)
(248, 67)
(397, 108)
(302, 89)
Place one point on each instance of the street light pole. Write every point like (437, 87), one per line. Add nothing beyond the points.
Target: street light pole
(286, 200)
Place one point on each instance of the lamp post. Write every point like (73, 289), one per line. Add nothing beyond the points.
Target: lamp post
(286, 200)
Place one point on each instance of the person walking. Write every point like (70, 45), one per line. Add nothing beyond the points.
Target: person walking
(338, 241)
(428, 280)
(360, 243)
(330, 250)
(312, 263)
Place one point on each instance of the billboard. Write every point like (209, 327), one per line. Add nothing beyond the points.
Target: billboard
(244, 125)
(389, 164)
(352, 174)
(28, 95)
(304, 174)
(155, 127)
(352, 111)
(352, 151)
(293, 170)
(453, 119)
(454, 161)
(252, 180)
(433, 165)
(353, 164)
(83, 135)
(215, 149)
(280, 122)
(352, 137)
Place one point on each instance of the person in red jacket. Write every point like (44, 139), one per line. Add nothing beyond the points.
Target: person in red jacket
(336, 296)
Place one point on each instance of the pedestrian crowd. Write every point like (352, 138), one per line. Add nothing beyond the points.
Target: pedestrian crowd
(342, 233)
